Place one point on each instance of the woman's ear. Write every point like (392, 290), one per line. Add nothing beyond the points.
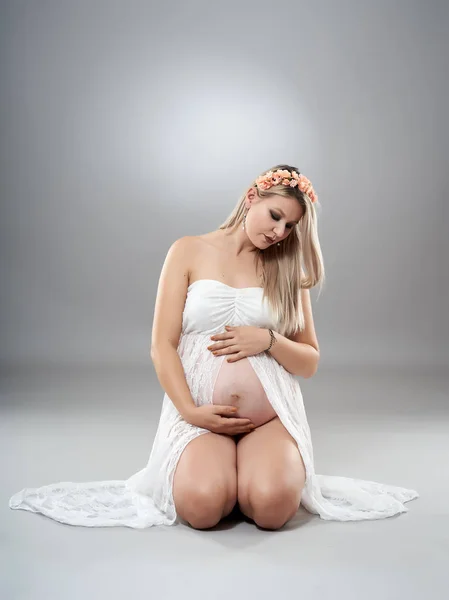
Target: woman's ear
(251, 194)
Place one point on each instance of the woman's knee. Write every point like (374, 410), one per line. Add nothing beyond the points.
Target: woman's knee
(204, 507)
(272, 508)
(205, 480)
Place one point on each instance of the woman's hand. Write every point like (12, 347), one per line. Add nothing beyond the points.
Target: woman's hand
(219, 419)
(240, 341)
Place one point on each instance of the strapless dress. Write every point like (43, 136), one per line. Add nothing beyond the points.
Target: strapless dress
(211, 305)
(146, 498)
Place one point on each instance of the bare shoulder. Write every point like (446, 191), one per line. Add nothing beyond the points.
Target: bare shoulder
(185, 254)
(211, 239)
(183, 244)
(192, 247)
(186, 248)
(198, 240)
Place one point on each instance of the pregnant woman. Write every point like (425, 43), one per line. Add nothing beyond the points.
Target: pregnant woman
(232, 330)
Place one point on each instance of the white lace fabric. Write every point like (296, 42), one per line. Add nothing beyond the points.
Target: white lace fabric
(146, 498)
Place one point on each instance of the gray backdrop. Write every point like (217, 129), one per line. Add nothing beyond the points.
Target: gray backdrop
(128, 125)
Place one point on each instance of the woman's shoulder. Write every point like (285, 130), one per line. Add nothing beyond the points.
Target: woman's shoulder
(191, 247)
(195, 242)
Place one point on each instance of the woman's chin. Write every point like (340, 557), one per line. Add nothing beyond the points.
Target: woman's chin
(261, 244)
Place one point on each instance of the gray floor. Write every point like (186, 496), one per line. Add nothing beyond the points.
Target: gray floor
(78, 425)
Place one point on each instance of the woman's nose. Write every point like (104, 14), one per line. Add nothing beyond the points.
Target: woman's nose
(279, 231)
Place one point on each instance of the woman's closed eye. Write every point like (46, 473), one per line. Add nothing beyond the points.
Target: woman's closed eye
(278, 218)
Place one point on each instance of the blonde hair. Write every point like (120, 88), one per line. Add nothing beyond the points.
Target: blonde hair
(283, 273)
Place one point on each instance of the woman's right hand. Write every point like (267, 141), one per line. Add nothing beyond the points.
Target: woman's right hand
(219, 418)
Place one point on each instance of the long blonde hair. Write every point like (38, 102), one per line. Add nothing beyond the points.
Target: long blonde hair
(297, 263)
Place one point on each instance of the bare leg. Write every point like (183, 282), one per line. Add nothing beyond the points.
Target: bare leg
(205, 480)
(271, 475)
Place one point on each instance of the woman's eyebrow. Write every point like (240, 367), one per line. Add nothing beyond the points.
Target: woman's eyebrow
(283, 213)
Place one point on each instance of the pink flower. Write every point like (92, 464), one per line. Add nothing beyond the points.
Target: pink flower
(293, 179)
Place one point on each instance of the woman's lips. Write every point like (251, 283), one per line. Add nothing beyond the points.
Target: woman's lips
(268, 239)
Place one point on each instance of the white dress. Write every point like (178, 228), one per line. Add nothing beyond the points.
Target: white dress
(146, 498)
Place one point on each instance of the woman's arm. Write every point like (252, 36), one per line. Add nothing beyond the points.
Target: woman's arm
(299, 354)
(170, 373)
(296, 357)
(167, 325)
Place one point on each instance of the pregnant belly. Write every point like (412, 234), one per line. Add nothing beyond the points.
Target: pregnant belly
(238, 385)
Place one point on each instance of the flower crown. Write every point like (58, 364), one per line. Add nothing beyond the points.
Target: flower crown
(284, 177)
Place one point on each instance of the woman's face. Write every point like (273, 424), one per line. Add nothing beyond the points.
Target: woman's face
(274, 217)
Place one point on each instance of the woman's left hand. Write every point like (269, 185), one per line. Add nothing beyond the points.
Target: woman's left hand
(240, 341)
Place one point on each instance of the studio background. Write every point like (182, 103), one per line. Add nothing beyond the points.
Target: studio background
(125, 130)
(126, 125)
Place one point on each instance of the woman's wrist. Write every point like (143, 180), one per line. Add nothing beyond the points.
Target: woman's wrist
(188, 413)
(272, 339)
